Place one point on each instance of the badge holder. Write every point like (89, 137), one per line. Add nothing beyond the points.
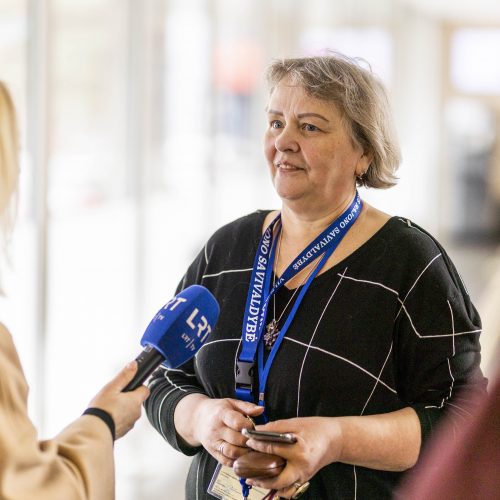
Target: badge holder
(225, 485)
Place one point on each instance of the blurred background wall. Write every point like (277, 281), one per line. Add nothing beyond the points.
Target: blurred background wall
(141, 126)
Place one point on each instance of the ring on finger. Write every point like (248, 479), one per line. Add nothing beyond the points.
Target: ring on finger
(300, 489)
(220, 449)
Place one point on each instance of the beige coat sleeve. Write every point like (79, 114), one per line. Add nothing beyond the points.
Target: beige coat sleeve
(77, 464)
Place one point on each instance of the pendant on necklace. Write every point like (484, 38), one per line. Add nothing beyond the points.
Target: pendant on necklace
(271, 334)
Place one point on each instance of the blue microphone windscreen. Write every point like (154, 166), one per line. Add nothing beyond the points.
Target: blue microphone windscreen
(182, 325)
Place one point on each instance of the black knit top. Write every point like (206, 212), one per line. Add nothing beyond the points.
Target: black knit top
(390, 326)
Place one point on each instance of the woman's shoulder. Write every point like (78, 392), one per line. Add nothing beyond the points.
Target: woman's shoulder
(399, 245)
(242, 229)
(415, 248)
(230, 246)
(404, 234)
(395, 237)
(234, 243)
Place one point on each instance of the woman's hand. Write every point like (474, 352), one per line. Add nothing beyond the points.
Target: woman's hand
(387, 441)
(319, 442)
(216, 424)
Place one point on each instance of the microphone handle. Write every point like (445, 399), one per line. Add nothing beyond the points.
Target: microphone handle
(147, 362)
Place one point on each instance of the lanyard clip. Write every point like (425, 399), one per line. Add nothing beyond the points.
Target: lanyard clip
(244, 376)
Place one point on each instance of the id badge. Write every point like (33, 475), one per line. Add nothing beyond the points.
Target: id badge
(225, 485)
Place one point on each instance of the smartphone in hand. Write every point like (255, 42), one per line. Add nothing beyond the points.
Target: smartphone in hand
(276, 437)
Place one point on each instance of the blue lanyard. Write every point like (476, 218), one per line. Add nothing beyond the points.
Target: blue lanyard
(259, 294)
(265, 368)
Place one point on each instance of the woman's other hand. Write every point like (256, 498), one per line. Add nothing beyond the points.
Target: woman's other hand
(124, 407)
(319, 442)
(387, 441)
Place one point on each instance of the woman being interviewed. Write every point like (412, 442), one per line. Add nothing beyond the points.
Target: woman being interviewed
(369, 335)
(78, 462)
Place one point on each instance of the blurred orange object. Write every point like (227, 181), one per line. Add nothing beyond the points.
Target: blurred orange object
(238, 67)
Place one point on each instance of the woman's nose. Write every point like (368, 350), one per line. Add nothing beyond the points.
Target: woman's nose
(286, 140)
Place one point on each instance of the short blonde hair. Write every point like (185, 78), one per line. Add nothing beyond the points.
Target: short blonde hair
(9, 160)
(359, 96)
(9, 166)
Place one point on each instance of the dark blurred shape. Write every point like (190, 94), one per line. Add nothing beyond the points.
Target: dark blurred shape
(471, 142)
(463, 461)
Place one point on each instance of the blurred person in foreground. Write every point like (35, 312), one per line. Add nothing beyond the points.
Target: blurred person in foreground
(463, 461)
(78, 463)
(339, 323)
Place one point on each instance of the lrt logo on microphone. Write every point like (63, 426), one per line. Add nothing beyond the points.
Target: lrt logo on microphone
(169, 306)
(173, 303)
(196, 321)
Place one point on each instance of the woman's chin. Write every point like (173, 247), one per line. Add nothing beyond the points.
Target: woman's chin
(288, 190)
(290, 196)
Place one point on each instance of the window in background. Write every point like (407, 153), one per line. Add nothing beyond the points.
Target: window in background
(90, 295)
(107, 167)
(373, 44)
(472, 111)
(474, 66)
(177, 208)
(471, 131)
(242, 40)
(155, 122)
(237, 75)
(212, 109)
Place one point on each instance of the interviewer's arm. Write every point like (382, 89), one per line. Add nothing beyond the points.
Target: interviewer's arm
(78, 462)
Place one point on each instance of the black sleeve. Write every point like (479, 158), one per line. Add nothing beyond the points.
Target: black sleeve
(233, 243)
(437, 342)
(169, 386)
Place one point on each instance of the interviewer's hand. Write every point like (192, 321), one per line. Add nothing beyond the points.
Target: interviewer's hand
(124, 407)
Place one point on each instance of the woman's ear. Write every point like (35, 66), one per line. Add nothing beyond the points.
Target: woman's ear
(364, 162)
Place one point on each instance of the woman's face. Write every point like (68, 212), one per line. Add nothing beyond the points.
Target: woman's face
(312, 159)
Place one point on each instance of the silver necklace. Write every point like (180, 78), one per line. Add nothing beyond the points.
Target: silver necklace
(272, 328)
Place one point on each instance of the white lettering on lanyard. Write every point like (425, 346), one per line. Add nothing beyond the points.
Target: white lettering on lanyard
(257, 290)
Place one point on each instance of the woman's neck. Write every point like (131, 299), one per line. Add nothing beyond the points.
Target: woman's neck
(304, 225)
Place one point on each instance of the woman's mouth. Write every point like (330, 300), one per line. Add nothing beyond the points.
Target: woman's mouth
(286, 167)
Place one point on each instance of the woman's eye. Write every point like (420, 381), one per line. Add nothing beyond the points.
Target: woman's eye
(276, 124)
(308, 127)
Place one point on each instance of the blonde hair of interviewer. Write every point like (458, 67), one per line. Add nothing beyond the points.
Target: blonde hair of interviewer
(9, 168)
